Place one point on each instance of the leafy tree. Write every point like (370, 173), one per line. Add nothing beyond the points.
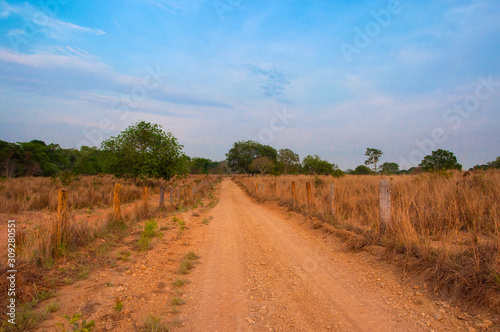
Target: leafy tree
(373, 157)
(262, 164)
(241, 155)
(362, 170)
(144, 150)
(315, 165)
(389, 168)
(338, 173)
(202, 166)
(288, 159)
(495, 163)
(440, 160)
(10, 159)
(88, 161)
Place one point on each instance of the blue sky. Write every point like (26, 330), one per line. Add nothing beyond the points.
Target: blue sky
(320, 77)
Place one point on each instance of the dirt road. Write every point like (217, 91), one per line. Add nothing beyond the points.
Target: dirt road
(261, 268)
(263, 271)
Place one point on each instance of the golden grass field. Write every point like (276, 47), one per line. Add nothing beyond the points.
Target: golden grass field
(32, 202)
(445, 225)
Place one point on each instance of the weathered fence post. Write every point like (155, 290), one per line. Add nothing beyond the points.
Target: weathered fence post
(282, 190)
(162, 198)
(171, 196)
(385, 204)
(145, 198)
(308, 187)
(332, 199)
(116, 200)
(62, 198)
(293, 193)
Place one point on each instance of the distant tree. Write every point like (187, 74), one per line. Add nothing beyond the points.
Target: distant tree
(373, 157)
(338, 173)
(222, 168)
(10, 159)
(262, 164)
(315, 165)
(362, 170)
(440, 160)
(88, 161)
(241, 155)
(144, 150)
(202, 166)
(289, 160)
(389, 168)
(495, 163)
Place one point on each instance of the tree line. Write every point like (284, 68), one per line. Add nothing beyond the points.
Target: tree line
(144, 150)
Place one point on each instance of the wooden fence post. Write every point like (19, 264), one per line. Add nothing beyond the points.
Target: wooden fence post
(308, 187)
(332, 199)
(62, 198)
(385, 204)
(171, 196)
(116, 200)
(162, 198)
(293, 193)
(145, 197)
(282, 190)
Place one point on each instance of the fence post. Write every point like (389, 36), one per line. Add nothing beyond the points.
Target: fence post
(332, 199)
(308, 187)
(293, 193)
(282, 191)
(62, 198)
(116, 200)
(162, 198)
(145, 197)
(385, 204)
(171, 196)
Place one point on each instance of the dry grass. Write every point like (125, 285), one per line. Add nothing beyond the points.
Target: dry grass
(39, 249)
(446, 226)
(37, 193)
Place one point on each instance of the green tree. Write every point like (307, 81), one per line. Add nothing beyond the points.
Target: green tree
(10, 159)
(389, 168)
(315, 165)
(241, 155)
(288, 160)
(495, 163)
(202, 166)
(362, 170)
(262, 165)
(373, 157)
(88, 161)
(144, 150)
(440, 160)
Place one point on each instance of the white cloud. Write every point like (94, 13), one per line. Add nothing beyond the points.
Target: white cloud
(179, 6)
(46, 22)
(15, 32)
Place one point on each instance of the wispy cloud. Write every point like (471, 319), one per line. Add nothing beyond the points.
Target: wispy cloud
(179, 7)
(67, 71)
(274, 82)
(46, 23)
